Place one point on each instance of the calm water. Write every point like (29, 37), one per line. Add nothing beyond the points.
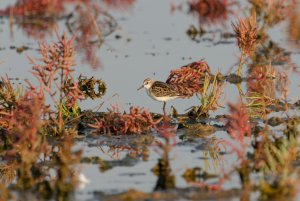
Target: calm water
(152, 42)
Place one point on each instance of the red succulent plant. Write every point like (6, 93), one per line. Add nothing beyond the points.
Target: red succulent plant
(189, 79)
(246, 33)
(137, 121)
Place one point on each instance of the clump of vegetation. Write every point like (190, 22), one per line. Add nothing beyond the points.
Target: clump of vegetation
(246, 33)
(274, 158)
(25, 151)
(23, 143)
(195, 78)
(54, 74)
(272, 12)
(261, 90)
(210, 96)
(87, 86)
(273, 155)
(136, 121)
(189, 79)
(8, 95)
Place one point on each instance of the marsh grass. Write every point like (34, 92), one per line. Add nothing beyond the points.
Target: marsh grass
(8, 94)
(210, 96)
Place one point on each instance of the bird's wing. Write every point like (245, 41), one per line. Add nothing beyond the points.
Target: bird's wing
(161, 89)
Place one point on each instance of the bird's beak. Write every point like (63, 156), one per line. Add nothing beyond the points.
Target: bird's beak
(140, 87)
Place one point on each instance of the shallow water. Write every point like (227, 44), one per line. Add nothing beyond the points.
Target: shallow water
(152, 42)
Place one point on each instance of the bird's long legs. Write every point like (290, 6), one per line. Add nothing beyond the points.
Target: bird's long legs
(164, 108)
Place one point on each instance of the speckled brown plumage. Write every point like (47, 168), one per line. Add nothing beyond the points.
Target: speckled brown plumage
(161, 89)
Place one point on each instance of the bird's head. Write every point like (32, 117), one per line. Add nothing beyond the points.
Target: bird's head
(147, 83)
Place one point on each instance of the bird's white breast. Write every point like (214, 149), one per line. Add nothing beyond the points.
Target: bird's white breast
(162, 99)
